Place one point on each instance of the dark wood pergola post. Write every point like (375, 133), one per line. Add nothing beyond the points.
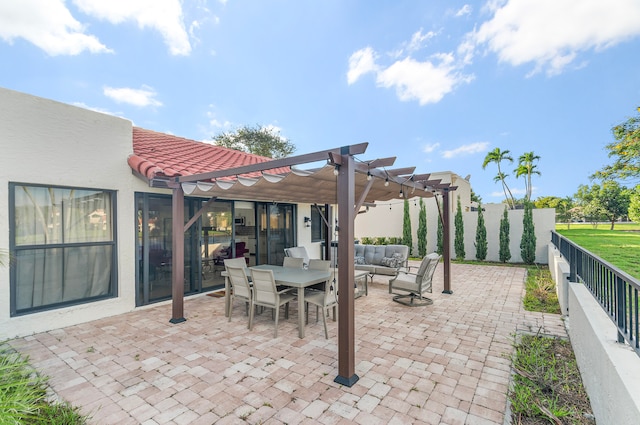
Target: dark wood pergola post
(446, 241)
(346, 294)
(177, 256)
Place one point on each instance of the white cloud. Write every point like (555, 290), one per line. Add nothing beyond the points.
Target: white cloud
(361, 62)
(551, 34)
(164, 16)
(47, 24)
(464, 10)
(429, 148)
(142, 97)
(466, 150)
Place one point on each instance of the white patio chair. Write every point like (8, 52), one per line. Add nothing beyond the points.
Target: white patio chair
(298, 252)
(265, 294)
(323, 265)
(293, 262)
(240, 287)
(323, 300)
(415, 284)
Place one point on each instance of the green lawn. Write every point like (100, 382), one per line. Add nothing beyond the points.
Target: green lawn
(620, 247)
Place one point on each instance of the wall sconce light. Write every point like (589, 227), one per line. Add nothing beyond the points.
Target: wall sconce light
(307, 222)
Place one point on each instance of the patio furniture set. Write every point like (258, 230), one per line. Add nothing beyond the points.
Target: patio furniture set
(313, 281)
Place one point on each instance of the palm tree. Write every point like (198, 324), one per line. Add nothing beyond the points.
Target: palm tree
(527, 168)
(498, 156)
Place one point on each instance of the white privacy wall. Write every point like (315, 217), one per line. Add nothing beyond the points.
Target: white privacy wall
(50, 143)
(386, 220)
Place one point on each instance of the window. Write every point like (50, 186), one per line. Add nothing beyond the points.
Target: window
(318, 228)
(64, 246)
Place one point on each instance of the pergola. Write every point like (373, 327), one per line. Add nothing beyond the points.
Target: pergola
(343, 181)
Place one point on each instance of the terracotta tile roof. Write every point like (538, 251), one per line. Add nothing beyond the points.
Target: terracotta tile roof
(163, 155)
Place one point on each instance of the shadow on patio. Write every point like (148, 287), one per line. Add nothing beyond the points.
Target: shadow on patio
(445, 363)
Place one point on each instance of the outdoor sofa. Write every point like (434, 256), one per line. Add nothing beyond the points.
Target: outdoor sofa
(380, 259)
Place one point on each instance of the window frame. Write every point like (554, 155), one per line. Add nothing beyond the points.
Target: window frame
(15, 249)
(316, 220)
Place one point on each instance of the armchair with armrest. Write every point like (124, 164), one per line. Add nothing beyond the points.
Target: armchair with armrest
(415, 284)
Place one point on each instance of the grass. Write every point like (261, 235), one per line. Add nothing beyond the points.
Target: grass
(547, 386)
(620, 247)
(23, 395)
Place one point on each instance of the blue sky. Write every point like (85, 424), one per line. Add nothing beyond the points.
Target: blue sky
(437, 84)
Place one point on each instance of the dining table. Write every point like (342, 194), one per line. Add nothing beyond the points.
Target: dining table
(286, 276)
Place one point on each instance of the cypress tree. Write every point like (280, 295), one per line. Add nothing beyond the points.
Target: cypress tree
(458, 244)
(504, 253)
(528, 241)
(481, 236)
(406, 227)
(439, 248)
(422, 230)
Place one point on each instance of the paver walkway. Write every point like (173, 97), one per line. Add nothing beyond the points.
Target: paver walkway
(448, 363)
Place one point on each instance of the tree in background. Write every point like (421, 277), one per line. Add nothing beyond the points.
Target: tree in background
(528, 241)
(625, 150)
(458, 243)
(481, 236)
(565, 211)
(440, 244)
(527, 168)
(263, 141)
(497, 156)
(634, 205)
(607, 202)
(422, 230)
(407, 239)
(504, 253)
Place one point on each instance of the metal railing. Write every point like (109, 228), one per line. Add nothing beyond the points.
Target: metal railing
(615, 290)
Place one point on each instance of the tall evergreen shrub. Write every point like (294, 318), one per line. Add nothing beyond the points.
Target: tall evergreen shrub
(439, 246)
(505, 253)
(407, 239)
(481, 236)
(422, 230)
(528, 241)
(458, 243)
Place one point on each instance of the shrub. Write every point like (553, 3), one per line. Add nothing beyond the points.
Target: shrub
(407, 238)
(504, 253)
(481, 236)
(422, 230)
(528, 241)
(458, 244)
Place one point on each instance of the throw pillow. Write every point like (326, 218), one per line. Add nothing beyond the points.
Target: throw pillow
(388, 262)
(359, 260)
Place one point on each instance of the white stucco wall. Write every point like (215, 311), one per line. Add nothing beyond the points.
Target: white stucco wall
(610, 370)
(51, 143)
(386, 220)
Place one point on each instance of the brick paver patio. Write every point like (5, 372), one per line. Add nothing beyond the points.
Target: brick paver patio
(448, 363)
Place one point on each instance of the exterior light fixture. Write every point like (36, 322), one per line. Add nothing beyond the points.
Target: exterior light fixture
(386, 181)
(307, 222)
(369, 175)
(336, 171)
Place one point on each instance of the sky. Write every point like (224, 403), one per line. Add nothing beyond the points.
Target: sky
(437, 84)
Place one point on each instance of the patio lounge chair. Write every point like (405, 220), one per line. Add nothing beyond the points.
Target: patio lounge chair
(265, 294)
(298, 252)
(415, 284)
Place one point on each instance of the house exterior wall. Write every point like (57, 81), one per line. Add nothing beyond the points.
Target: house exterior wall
(50, 143)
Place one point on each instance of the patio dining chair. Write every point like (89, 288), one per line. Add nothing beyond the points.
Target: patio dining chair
(323, 265)
(265, 294)
(415, 284)
(293, 262)
(323, 300)
(240, 286)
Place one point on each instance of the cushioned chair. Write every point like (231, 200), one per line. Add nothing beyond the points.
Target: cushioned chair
(415, 284)
(298, 252)
(265, 294)
(323, 300)
(240, 286)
